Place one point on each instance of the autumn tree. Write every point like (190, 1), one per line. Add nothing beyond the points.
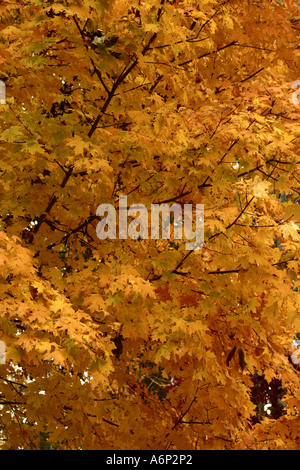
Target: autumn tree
(140, 343)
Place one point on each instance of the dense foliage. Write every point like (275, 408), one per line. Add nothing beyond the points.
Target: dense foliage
(141, 344)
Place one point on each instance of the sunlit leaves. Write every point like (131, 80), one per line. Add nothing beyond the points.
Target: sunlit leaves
(139, 343)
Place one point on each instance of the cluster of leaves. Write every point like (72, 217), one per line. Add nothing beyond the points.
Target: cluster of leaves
(44, 443)
(176, 101)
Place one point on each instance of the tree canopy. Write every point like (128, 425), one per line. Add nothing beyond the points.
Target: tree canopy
(142, 344)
